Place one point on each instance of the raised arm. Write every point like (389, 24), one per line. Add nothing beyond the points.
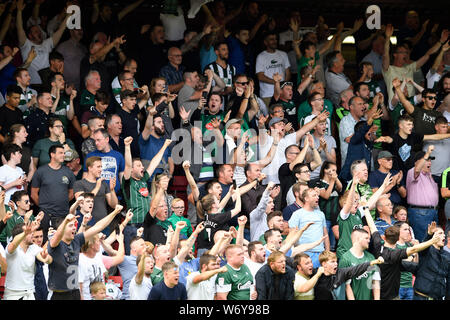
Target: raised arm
(7, 22)
(129, 9)
(157, 158)
(386, 60)
(163, 183)
(58, 235)
(103, 223)
(237, 207)
(433, 49)
(374, 198)
(424, 245)
(293, 237)
(194, 188)
(141, 269)
(58, 34)
(405, 102)
(128, 158)
(311, 283)
(438, 60)
(310, 125)
(27, 229)
(421, 163)
(181, 256)
(22, 37)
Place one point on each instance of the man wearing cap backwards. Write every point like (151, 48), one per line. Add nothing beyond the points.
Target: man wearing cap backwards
(423, 194)
(278, 127)
(129, 114)
(72, 161)
(396, 189)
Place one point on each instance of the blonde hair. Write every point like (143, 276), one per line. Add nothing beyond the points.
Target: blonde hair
(95, 287)
(326, 256)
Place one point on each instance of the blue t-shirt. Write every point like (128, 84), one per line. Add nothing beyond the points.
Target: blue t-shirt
(187, 268)
(316, 231)
(161, 292)
(376, 179)
(150, 147)
(113, 163)
(128, 270)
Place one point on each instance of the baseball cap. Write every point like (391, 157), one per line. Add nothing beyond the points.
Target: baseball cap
(127, 93)
(70, 155)
(419, 155)
(384, 154)
(276, 120)
(233, 121)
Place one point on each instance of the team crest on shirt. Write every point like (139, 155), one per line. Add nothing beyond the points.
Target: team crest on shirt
(143, 191)
(65, 180)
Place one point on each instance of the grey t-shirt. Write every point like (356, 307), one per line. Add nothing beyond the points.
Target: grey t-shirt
(128, 270)
(442, 155)
(54, 186)
(183, 99)
(63, 271)
(100, 209)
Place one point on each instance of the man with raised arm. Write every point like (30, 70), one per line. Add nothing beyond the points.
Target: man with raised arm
(64, 247)
(135, 186)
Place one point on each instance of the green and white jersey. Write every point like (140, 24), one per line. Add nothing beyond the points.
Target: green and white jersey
(137, 197)
(361, 285)
(62, 108)
(364, 190)
(157, 276)
(236, 282)
(406, 278)
(25, 97)
(346, 226)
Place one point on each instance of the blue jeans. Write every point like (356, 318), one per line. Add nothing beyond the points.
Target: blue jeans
(314, 257)
(129, 233)
(419, 219)
(406, 293)
(331, 236)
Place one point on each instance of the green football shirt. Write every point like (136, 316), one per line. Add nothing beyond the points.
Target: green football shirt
(346, 227)
(361, 285)
(236, 282)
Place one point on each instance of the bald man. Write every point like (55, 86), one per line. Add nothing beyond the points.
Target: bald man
(173, 71)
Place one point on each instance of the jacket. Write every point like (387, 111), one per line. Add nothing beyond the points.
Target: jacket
(326, 285)
(265, 284)
(433, 273)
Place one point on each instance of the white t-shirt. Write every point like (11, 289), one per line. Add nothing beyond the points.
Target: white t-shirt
(253, 266)
(21, 268)
(41, 61)
(446, 115)
(271, 63)
(271, 170)
(90, 270)
(203, 290)
(174, 26)
(432, 78)
(140, 291)
(299, 280)
(8, 175)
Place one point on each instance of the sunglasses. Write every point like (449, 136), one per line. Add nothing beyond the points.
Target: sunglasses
(287, 83)
(431, 98)
(243, 83)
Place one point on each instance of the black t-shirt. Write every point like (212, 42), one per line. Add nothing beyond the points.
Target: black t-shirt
(424, 120)
(213, 223)
(403, 150)
(390, 272)
(287, 179)
(8, 118)
(100, 66)
(65, 264)
(153, 232)
(130, 125)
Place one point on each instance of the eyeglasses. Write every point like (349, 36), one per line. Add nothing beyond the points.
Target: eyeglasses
(318, 99)
(242, 83)
(431, 98)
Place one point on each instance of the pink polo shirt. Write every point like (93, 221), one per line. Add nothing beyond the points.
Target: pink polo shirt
(422, 191)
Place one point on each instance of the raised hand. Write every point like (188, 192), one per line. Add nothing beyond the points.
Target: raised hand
(432, 227)
(112, 183)
(127, 141)
(389, 31)
(200, 227)
(277, 77)
(186, 164)
(118, 208)
(288, 127)
(86, 218)
(180, 225)
(306, 226)
(242, 220)
(184, 115)
(140, 232)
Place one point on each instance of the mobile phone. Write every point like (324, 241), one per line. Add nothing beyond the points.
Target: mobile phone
(234, 185)
(204, 94)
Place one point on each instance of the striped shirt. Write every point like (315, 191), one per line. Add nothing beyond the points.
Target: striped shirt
(137, 197)
(226, 74)
(25, 97)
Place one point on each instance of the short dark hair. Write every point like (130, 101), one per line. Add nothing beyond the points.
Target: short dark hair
(17, 229)
(358, 86)
(17, 196)
(427, 91)
(53, 76)
(312, 95)
(218, 44)
(405, 117)
(121, 75)
(269, 233)
(102, 96)
(205, 259)
(53, 148)
(440, 120)
(392, 234)
(55, 55)
(274, 214)
(304, 45)
(10, 149)
(270, 33)
(251, 246)
(18, 72)
(12, 88)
